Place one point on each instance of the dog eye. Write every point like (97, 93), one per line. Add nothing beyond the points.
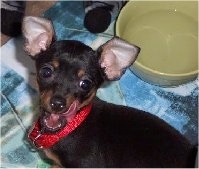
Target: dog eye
(85, 84)
(46, 71)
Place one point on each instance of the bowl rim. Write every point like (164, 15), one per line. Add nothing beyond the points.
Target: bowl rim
(191, 73)
(141, 66)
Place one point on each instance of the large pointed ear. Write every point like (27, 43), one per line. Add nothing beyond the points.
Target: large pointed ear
(38, 33)
(116, 56)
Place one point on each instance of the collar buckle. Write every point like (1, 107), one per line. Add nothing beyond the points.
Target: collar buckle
(35, 139)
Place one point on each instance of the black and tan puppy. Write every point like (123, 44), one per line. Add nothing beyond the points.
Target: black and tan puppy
(75, 128)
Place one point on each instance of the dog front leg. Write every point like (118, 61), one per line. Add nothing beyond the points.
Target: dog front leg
(52, 156)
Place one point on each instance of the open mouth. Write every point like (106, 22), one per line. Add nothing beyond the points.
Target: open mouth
(56, 121)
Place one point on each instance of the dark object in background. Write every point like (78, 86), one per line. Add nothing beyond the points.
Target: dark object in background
(12, 13)
(98, 14)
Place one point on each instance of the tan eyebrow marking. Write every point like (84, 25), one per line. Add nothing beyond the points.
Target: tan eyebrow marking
(81, 73)
(55, 63)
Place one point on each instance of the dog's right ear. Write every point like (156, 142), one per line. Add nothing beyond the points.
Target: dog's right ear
(116, 56)
(38, 33)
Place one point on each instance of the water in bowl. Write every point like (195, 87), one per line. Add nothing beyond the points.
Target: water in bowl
(168, 40)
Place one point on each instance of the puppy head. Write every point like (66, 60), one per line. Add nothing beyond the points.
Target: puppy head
(70, 72)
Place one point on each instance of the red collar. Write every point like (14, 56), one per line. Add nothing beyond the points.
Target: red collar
(46, 140)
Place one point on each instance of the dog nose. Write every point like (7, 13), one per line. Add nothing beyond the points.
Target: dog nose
(58, 103)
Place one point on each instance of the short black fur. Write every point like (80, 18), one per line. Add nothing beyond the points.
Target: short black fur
(118, 136)
(112, 135)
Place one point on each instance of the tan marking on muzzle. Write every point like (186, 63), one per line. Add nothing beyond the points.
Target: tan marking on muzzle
(45, 99)
(91, 95)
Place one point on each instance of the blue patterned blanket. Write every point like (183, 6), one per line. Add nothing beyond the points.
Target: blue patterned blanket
(19, 97)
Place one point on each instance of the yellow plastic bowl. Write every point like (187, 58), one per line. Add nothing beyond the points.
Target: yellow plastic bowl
(167, 32)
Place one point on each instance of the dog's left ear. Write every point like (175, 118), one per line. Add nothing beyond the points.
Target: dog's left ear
(38, 33)
(116, 56)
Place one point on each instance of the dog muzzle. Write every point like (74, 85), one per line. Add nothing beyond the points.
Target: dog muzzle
(46, 140)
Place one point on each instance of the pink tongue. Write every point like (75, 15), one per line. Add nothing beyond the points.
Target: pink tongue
(54, 120)
(72, 111)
